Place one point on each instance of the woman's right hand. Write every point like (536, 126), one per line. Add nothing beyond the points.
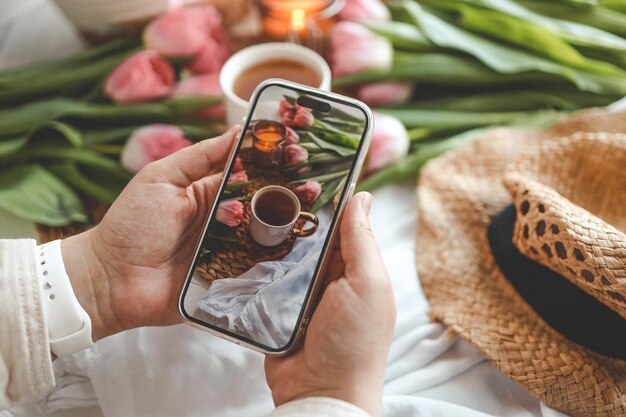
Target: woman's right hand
(346, 346)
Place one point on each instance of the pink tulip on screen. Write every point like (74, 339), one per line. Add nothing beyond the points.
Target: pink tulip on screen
(141, 77)
(308, 192)
(385, 93)
(206, 85)
(390, 142)
(230, 213)
(183, 32)
(292, 137)
(151, 143)
(294, 155)
(239, 176)
(237, 165)
(295, 115)
(354, 48)
(364, 10)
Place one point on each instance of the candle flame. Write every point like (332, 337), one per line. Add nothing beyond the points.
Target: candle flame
(298, 19)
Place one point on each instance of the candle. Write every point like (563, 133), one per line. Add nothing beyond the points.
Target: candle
(300, 21)
(267, 145)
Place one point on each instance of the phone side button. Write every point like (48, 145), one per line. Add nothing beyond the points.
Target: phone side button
(351, 189)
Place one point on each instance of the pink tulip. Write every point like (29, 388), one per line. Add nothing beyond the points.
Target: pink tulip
(304, 170)
(151, 143)
(385, 93)
(292, 137)
(295, 115)
(294, 155)
(183, 32)
(364, 11)
(207, 85)
(308, 192)
(354, 48)
(210, 58)
(230, 213)
(239, 176)
(141, 77)
(390, 142)
(237, 165)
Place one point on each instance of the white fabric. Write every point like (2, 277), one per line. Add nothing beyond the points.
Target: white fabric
(318, 407)
(179, 370)
(264, 303)
(25, 361)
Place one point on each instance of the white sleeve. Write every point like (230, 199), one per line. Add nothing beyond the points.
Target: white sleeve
(318, 407)
(25, 359)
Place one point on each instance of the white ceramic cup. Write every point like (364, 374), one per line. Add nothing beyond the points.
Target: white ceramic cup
(270, 235)
(236, 107)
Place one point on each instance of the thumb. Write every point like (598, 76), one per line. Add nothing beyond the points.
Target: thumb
(363, 264)
(195, 162)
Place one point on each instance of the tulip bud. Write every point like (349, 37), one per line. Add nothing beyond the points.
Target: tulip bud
(194, 32)
(295, 115)
(230, 213)
(182, 32)
(237, 165)
(206, 85)
(141, 77)
(390, 142)
(308, 192)
(151, 143)
(239, 176)
(294, 155)
(354, 48)
(364, 11)
(292, 137)
(385, 93)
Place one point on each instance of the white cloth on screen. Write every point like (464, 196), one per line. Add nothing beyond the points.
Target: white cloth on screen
(265, 301)
(179, 370)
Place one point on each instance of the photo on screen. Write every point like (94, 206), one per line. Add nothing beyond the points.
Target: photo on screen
(263, 244)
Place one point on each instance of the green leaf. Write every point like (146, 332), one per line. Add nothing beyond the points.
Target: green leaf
(504, 59)
(32, 193)
(531, 36)
(402, 35)
(104, 189)
(10, 146)
(446, 70)
(330, 189)
(338, 149)
(599, 17)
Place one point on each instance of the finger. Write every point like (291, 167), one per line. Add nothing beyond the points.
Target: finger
(194, 162)
(361, 256)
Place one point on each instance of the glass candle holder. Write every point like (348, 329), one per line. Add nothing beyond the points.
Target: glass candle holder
(305, 22)
(268, 138)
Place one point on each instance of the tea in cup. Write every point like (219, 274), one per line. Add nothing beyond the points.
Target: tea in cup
(274, 212)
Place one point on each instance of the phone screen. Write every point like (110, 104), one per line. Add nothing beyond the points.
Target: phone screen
(263, 244)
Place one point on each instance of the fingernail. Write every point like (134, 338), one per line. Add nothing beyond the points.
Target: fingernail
(366, 202)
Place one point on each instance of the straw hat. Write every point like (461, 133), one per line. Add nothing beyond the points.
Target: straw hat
(521, 250)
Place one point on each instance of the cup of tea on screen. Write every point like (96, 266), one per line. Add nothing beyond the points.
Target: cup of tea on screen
(275, 210)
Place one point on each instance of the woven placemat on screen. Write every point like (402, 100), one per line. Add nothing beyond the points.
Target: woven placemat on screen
(231, 259)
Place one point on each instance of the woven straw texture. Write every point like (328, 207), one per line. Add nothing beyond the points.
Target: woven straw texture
(565, 237)
(458, 194)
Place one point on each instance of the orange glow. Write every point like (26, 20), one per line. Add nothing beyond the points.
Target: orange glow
(298, 19)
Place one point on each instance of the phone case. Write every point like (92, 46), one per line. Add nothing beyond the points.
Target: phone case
(264, 223)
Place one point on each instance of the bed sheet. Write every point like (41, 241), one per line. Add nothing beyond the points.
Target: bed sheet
(180, 370)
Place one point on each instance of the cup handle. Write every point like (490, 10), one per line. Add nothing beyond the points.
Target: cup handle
(311, 218)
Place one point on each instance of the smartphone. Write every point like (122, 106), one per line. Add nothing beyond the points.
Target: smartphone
(266, 243)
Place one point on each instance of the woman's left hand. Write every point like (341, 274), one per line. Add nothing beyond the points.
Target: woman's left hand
(128, 270)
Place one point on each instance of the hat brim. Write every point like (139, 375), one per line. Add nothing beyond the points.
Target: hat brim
(458, 194)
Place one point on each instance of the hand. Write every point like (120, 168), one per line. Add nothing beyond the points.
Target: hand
(128, 270)
(346, 346)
